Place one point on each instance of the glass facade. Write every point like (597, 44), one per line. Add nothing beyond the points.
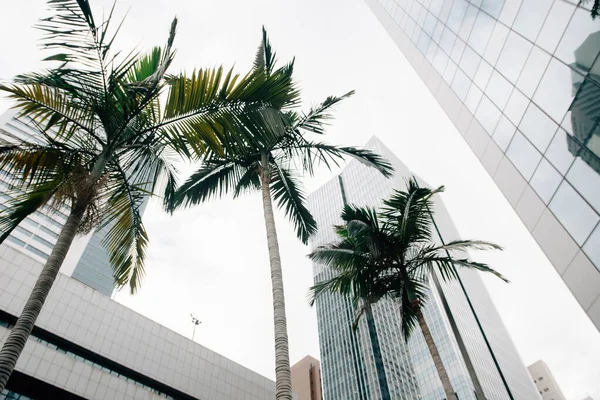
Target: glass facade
(346, 357)
(528, 72)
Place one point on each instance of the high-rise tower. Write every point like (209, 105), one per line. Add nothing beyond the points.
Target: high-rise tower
(520, 79)
(347, 363)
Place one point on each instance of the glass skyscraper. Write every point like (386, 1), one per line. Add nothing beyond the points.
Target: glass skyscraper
(36, 235)
(520, 79)
(347, 362)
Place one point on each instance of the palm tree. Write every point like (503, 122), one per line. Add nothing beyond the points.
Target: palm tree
(393, 255)
(595, 7)
(269, 159)
(104, 142)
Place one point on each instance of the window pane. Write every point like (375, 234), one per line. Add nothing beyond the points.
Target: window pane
(558, 152)
(494, 46)
(517, 104)
(423, 44)
(586, 181)
(573, 212)
(555, 25)
(447, 41)
(437, 34)
(585, 112)
(440, 61)
(555, 92)
(482, 30)
(457, 51)
(509, 11)
(523, 155)
(457, 13)
(534, 69)
(581, 41)
(473, 98)
(545, 180)
(531, 16)
(450, 71)
(492, 7)
(487, 114)
(429, 24)
(483, 74)
(515, 52)
(499, 90)
(504, 133)
(538, 127)
(468, 21)
(461, 84)
(470, 62)
(592, 247)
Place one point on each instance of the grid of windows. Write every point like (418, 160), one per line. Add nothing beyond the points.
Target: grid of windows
(529, 72)
(9, 395)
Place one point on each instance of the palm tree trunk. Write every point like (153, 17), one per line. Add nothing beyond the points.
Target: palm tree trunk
(437, 360)
(12, 348)
(383, 385)
(283, 377)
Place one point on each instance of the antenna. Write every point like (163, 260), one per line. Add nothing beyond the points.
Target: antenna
(196, 322)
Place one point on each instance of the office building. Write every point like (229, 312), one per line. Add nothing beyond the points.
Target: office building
(87, 346)
(545, 382)
(346, 358)
(306, 379)
(87, 260)
(520, 81)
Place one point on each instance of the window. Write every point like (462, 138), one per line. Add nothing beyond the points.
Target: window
(573, 212)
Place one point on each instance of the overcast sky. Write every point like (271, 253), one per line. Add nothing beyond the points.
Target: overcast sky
(212, 260)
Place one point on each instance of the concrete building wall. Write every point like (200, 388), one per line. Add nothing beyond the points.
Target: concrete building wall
(545, 382)
(306, 379)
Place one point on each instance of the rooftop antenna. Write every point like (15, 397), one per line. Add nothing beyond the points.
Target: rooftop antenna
(196, 322)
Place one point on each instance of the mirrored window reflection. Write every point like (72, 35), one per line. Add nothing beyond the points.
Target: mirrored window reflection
(437, 33)
(435, 6)
(538, 127)
(494, 46)
(423, 43)
(492, 7)
(431, 52)
(457, 13)
(509, 12)
(573, 212)
(473, 98)
(457, 51)
(558, 152)
(447, 41)
(545, 180)
(517, 104)
(470, 62)
(488, 115)
(504, 133)
(461, 84)
(586, 181)
(555, 91)
(513, 57)
(534, 69)
(556, 22)
(499, 90)
(483, 74)
(581, 41)
(585, 123)
(482, 30)
(523, 155)
(468, 21)
(450, 71)
(592, 247)
(531, 16)
(440, 61)
(429, 24)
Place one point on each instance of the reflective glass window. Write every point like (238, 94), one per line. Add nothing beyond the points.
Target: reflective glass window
(482, 76)
(429, 24)
(415, 10)
(499, 90)
(532, 72)
(457, 13)
(437, 33)
(440, 61)
(517, 104)
(584, 116)
(581, 41)
(531, 16)
(487, 114)
(436, 6)
(555, 25)
(461, 84)
(555, 91)
(470, 62)
(504, 133)
(457, 51)
(558, 152)
(545, 180)
(586, 181)
(482, 30)
(431, 52)
(573, 212)
(473, 98)
(416, 35)
(523, 155)
(468, 21)
(410, 27)
(450, 71)
(494, 46)
(492, 7)
(423, 44)
(509, 11)
(538, 127)
(592, 247)
(513, 56)
(447, 41)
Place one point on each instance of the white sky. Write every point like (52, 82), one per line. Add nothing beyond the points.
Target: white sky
(212, 260)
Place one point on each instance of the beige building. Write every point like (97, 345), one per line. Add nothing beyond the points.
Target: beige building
(306, 379)
(545, 382)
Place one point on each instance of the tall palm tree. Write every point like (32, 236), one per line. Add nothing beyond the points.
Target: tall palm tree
(104, 141)
(393, 255)
(270, 160)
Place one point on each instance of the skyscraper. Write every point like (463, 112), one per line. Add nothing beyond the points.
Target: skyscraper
(520, 80)
(545, 382)
(87, 260)
(347, 367)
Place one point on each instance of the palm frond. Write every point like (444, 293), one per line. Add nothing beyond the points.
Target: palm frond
(317, 117)
(265, 56)
(22, 206)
